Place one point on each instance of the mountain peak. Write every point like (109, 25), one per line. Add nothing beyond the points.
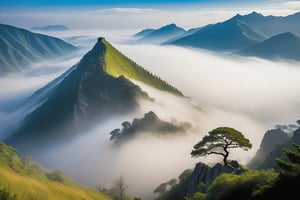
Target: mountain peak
(170, 26)
(236, 17)
(255, 14)
(100, 39)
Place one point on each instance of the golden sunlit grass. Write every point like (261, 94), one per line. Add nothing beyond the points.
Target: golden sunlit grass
(30, 182)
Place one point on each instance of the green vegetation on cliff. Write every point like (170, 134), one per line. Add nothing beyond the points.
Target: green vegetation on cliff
(118, 64)
(23, 179)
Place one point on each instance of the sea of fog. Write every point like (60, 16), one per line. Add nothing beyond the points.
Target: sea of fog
(249, 94)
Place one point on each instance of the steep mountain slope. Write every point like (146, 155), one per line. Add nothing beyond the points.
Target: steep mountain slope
(271, 139)
(285, 46)
(118, 64)
(271, 147)
(28, 180)
(93, 90)
(230, 35)
(163, 34)
(19, 48)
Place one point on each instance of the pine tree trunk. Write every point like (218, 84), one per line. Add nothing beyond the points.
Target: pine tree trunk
(225, 157)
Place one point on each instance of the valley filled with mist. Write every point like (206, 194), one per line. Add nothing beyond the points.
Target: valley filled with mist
(117, 106)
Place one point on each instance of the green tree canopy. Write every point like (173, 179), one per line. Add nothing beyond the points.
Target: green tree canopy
(219, 141)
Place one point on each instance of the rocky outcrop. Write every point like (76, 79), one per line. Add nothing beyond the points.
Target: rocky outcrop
(271, 139)
(275, 151)
(203, 175)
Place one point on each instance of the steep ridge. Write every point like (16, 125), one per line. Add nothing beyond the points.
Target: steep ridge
(19, 48)
(117, 64)
(83, 96)
(80, 97)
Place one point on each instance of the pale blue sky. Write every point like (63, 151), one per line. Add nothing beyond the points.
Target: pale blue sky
(134, 14)
(106, 2)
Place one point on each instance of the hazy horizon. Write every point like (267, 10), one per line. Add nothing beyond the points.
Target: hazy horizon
(116, 16)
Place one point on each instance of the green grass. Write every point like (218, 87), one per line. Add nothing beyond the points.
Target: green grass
(29, 181)
(119, 65)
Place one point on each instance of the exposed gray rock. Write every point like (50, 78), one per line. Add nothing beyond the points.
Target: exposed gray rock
(203, 175)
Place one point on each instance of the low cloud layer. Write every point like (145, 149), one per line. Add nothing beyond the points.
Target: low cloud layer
(263, 90)
(249, 94)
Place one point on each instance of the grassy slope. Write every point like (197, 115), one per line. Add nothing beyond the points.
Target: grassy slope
(28, 181)
(119, 65)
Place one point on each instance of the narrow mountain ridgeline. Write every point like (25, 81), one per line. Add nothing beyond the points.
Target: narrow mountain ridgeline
(23, 179)
(231, 35)
(20, 48)
(81, 97)
(272, 25)
(163, 34)
(118, 64)
(149, 124)
(282, 46)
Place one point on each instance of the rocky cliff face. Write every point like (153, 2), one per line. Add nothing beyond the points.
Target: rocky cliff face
(274, 150)
(203, 175)
(271, 139)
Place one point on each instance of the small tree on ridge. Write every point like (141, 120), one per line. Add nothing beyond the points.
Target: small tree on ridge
(219, 141)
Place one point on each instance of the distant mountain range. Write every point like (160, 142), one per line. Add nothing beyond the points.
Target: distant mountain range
(144, 32)
(230, 35)
(95, 89)
(272, 25)
(162, 34)
(284, 46)
(20, 48)
(268, 37)
(51, 28)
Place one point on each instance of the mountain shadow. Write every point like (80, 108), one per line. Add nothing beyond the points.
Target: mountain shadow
(95, 89)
